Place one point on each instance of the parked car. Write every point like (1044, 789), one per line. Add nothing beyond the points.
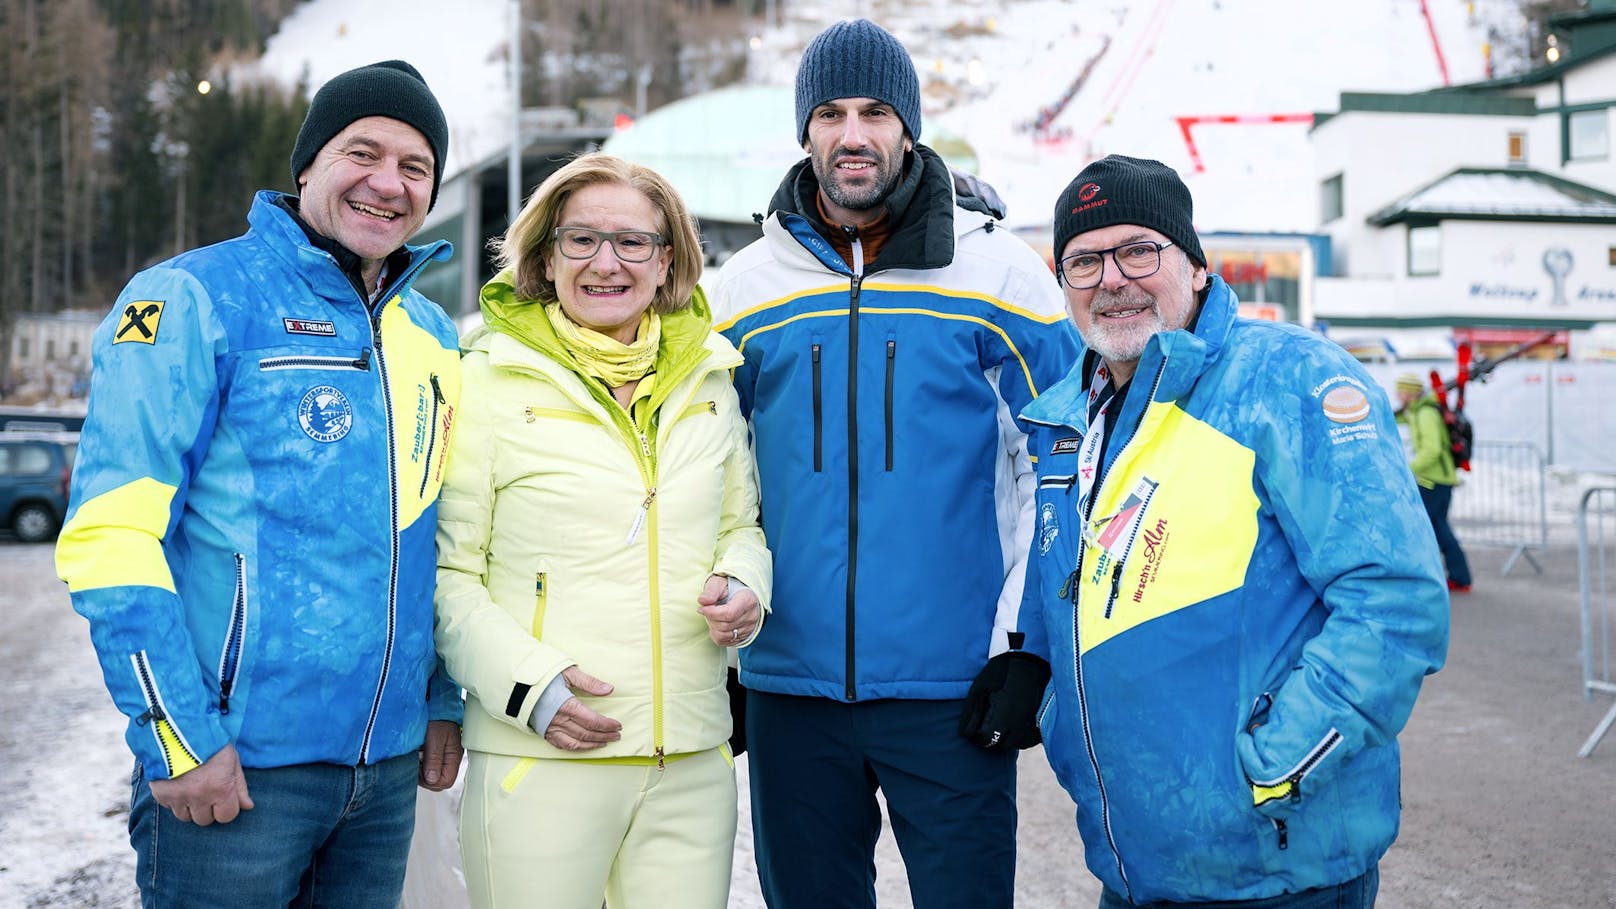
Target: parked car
(34, 473)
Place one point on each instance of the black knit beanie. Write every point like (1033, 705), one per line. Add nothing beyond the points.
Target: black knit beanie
(856, 58)
(391, 88)
(1122, 190)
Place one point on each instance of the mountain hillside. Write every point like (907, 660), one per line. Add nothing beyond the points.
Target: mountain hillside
(1037, 87)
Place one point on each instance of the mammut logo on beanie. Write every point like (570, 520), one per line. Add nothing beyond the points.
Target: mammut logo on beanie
(1121, 190)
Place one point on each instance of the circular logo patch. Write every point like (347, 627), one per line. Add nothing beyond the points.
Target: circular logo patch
(325, 414)
(1345, 404)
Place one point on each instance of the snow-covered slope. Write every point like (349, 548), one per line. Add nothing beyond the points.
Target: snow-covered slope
(1106, 76)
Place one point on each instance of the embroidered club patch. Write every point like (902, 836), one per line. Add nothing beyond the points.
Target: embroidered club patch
(1346, 404)
(139, 322)
(1067, 446)
(309, 327)
(325, 414)
(1048, 528)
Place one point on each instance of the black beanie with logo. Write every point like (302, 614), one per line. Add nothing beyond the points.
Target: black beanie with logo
(392, 89)
(1120, 190)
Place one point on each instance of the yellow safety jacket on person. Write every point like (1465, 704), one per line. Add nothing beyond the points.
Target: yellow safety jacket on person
(1432, 462)
(570, 533)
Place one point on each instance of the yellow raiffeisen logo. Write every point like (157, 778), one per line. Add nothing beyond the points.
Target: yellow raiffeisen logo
(1184, 527)
(139, 322)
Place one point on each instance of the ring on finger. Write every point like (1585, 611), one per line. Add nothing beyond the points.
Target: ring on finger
(734, 635)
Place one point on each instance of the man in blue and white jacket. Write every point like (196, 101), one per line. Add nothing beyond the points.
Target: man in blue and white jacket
(891, 330)
(1233, 577)
(252, 521)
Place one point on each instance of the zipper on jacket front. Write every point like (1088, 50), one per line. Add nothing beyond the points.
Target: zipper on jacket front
(819, 414)
(431, 433)
(178, 756)
(851, 689)
(234, 637)
(1073, 588)
(391, 460)
(892, 362)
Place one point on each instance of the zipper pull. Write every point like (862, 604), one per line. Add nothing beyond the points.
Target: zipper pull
(438, 390)
(152, 715)
(661, 760)
(639, 519)
(224, 702)
(1284, 835)
(1068, 588)
(528, 412)
(645, 445)
(363, 363)
(1116, 580)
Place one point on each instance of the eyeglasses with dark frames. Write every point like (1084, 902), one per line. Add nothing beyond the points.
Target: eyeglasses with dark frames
(1140, 259)
(628, 245)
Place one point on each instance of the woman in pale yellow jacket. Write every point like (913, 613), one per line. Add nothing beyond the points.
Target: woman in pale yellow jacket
(598, 549)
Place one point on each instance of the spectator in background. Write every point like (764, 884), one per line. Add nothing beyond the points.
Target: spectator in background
(252, 520)
(1434, 470)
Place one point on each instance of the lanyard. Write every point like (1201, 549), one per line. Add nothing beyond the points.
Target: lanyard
(1101, 396)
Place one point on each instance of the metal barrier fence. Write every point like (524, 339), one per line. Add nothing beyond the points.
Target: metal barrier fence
(1502, 501)
(1596, 540)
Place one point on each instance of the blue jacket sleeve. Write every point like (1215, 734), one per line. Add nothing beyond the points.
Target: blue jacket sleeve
(1366, 547)
(153, 401)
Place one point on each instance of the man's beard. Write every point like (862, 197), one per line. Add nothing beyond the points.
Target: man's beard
(1122, 343)
(888, 171)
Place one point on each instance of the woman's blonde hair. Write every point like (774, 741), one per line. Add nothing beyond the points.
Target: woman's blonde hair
(528, 243)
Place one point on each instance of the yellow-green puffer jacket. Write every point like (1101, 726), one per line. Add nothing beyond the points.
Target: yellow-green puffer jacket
(569, 535)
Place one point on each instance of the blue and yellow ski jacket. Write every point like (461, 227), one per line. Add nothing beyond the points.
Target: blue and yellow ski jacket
(1239, 620)
(251, 528)
(897, 491)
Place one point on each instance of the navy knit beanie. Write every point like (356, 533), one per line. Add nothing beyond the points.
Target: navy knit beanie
(856, 58)
(391, 88)
(1121, 190)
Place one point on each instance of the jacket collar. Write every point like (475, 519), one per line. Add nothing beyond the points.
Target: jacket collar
(686, 341)
(330, 269)
(920, 209)
(1170, 366)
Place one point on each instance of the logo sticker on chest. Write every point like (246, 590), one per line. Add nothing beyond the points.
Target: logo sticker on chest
(310, 327)
(325, 414)
(1067, 446)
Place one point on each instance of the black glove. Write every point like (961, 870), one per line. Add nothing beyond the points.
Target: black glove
(1001, 709)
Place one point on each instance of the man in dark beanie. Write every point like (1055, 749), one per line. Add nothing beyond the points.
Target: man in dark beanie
(251, 531)
(891, 329)
(1233, 578)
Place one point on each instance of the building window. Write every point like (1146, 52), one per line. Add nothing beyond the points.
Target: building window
(22, 349)
(72, 348)
(1330, 199)
(50, 351)
(1610, 253)
(1589, 135)
(1425, 249)
(1517, 147)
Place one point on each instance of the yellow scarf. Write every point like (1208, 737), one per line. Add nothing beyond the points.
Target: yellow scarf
(609, 359)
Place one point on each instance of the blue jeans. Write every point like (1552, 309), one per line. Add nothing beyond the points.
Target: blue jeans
(1358, 893)
(1436, 501)
(815, 766)
(319, 835)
